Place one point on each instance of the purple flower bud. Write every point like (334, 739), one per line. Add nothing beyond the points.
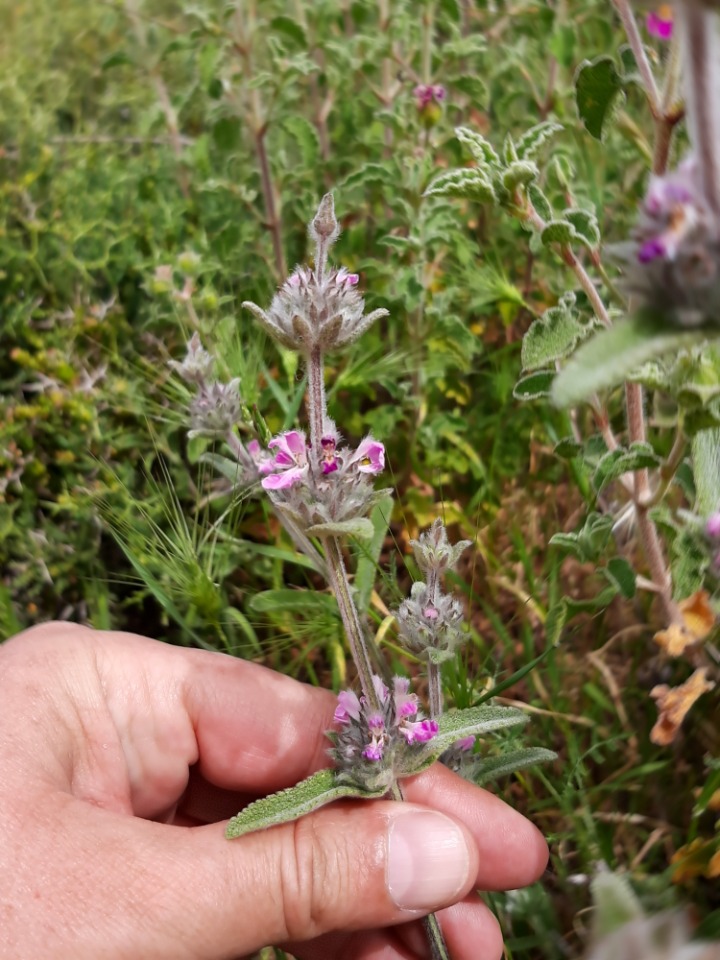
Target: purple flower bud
(439, 93)
(373, 751)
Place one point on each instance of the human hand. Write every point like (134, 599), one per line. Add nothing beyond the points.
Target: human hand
(119, 757)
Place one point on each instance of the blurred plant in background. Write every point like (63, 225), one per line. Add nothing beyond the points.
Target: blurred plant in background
(159, 162)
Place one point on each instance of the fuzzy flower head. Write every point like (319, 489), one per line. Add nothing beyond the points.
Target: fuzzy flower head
(430, 623)
(371, 741)
(659, 22)
(332, 485)
(429, 99)
(198, 365)
(317, 308)
(215, 409)
(434, 553)
(673, 260)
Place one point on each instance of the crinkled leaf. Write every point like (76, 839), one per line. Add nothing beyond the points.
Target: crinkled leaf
(371, 173)
(554, 335)
(567, 448)
(585, 225)
(508, 150)
(607, 359)
(558, 231)
(529, 143)
(361, 528)
(638, 456)
(471, 184)
(480, 148)
(534, 385)
(306, 137)
(291, 804)
(621, 574)
(539, 201)
(597, 85)
(493, 767)
(587, 543)
(519, 173)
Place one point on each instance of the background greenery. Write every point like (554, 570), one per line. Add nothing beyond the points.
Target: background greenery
(197, 138)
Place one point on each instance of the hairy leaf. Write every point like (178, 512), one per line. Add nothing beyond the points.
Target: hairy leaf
(534, 386)
(481, 149)
(638, 456)
(361, 528)
(529, 143)
(493, 767)
(471, 184)
(288, 805)
(554, 335)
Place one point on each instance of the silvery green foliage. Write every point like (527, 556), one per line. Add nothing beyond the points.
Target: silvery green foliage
(315, 309)
(621, 931)
(434, 553)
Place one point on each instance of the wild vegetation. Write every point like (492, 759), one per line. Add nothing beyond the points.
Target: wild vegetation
(489, 163)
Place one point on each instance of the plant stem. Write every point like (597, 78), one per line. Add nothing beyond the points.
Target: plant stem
(648, 531)
(340, 586)
(636, 45)
(315, 400)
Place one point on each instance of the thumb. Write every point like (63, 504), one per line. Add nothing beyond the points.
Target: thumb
(349, 866)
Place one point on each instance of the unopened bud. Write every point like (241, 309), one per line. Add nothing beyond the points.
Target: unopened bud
(324, 224)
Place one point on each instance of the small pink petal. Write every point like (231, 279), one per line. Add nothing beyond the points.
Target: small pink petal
(281, 481)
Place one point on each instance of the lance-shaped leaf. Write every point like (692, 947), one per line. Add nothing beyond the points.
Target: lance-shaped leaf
(611, 355)
(528, 144)
(472, 184)
(481, 149)
(490, 769)
(288, 805)
(361, 528)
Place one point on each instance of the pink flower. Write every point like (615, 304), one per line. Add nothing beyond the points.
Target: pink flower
(419, 732)
(425, 94)
(430, 613)
(369, 456)
(289, 465)
(712, 528)
(466, 743)
(348, 707)
(343, 278)
(406, 703)
(659, 22)
(329, 460)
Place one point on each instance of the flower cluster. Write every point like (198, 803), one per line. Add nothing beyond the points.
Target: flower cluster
(673, 261)
(331, 486)
(215, 407)
(370, 742)
(426, 94)
(317, 309)
(430, 621)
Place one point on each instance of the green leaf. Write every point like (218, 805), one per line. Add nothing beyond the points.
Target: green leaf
(306, 137)
(534, 385)
(480, 148)
(562, 44)
(638, 456)
(558, 231)
(493, 767)
(519, 173)
(621, 574)
(475, 721)
(706, 471)
(371, 173)
(118, 59)
(539, 201)
(509, 152)
(296, 802)
(567, 448)
(528, 145)
(612, 354)
(226, 133)
(291, 28)
(230, 469)
(361, 528)
(585, 225)
(597, 85)
(554, 623)
(554, 335)
(471, 184)
(615, 904)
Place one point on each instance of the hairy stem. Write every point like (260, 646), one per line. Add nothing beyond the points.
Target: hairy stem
(636, 45)
(315, 400)
(340, 585)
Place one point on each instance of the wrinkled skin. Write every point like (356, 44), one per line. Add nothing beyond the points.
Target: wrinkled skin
(120, 758)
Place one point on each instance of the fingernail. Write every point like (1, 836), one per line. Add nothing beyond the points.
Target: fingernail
(428, 860)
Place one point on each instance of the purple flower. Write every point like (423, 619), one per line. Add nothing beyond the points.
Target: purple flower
(419, 732)
(659, 22)
(329, 460)
(425, 94)
(348, 707)
(466, 743)
(652, 249)
(406, 703)
(289, 465)
(369, 456)
(344, 278)
(712, 527)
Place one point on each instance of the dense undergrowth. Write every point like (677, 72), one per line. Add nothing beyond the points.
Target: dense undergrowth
(158, 164)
